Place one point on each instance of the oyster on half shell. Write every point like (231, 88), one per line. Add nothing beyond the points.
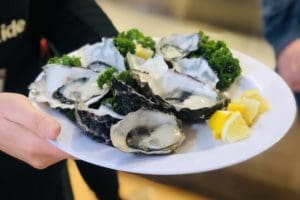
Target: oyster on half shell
(85, 88)
(58, 83)
(148, 132)
(104, 52)
(177, 46)
(190, 99)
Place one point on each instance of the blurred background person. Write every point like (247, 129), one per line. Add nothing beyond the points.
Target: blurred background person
(282, 29)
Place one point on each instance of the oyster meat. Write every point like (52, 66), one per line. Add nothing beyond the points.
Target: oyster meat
(148, 132)
(85, 88)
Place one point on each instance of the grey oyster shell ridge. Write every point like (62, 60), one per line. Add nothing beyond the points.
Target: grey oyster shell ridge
(129, 99)
(97, 127)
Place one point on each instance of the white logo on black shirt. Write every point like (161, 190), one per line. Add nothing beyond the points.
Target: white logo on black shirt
(12, 30)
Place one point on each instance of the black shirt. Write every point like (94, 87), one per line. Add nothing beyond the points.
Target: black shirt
(67, 24)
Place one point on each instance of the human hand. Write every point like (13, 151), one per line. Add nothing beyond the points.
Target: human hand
(24, 131)
(289, 65)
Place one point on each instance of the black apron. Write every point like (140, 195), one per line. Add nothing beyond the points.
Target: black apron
(67, 24)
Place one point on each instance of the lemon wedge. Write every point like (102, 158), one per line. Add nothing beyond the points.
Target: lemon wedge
(142, 52)
(254, 94)
(235, 128)
(249, 108)
(236, 107)
(216, 122)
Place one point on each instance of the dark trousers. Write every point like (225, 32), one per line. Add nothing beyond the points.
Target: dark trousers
(103, 181)
(21, 181)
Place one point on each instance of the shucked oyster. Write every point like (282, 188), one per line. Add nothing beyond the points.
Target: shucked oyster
(147, 131)
(104, 52)
(58, 84)
(86, 88)
(190, 99)
(177, 46)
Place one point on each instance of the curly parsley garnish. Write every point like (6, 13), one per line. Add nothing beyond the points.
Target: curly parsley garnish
(126, 41)
(66, 60)
(111, 73)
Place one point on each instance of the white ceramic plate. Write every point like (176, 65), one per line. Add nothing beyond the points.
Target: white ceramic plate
(200, 152)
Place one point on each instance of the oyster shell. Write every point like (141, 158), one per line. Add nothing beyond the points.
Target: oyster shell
(148, 132)
(190, 99)
(98, 66)
(84, 88)
(96, 123)
(177, 46)
(134, 62)
(58, 83)
(104, 51)
(129, 99)
(197, 68)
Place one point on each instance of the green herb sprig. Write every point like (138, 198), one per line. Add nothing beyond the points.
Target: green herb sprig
(125, 41)
(66, 60)
(111, 73)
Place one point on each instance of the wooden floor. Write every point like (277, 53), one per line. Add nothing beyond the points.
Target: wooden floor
(132, 187)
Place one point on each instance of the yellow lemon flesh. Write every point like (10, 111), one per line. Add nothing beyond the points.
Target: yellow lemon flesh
(254, 94)
(217, 121)
(249, 108)
(236, 107)
(235, 128)
(142, 52)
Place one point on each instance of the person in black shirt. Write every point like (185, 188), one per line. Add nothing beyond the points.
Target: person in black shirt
(30, 168)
